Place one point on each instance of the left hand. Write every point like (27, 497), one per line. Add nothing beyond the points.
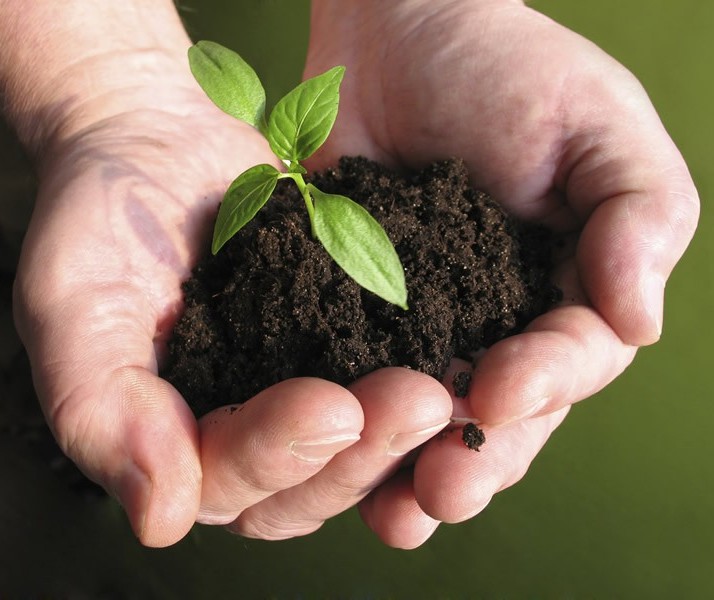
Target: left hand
(560, 134)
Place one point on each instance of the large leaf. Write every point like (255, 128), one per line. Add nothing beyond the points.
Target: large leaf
(302, 120)
(358, 244)
(245, 197)
(229, 81)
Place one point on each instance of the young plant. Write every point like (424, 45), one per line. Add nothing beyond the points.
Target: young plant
(297, 126)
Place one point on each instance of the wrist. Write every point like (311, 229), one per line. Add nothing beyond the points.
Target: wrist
(66, 66)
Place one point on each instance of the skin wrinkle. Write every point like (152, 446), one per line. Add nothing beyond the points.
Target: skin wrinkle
(674, 216)
(73, 417)
(76, 112)
(274, 527)
(57, 401)
(49, 123)
(618, 264)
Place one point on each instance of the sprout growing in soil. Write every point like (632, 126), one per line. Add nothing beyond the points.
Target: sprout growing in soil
(297, 126)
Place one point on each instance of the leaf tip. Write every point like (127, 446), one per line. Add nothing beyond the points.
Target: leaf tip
(399, 299)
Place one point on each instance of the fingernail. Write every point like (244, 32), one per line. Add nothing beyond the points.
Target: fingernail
(133, 492)
(324, 449)
(401, 443)
(653, 301)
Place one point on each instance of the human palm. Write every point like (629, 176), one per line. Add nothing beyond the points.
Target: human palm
(558, 133)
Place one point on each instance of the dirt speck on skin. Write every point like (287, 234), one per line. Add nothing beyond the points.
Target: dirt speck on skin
(272, 304)
(473, 436)
(462, 383)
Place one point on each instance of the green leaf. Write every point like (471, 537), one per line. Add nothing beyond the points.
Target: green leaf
(358, 244)
(244, 197)
(296, 167)
(229, 81)
(302, 120)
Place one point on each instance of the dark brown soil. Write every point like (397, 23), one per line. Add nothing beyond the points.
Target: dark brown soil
(473, 436)
(272, 304)
(462, 383)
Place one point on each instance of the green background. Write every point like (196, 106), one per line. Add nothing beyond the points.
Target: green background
(618, 504)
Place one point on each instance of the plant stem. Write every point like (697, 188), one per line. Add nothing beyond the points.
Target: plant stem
(302, 186)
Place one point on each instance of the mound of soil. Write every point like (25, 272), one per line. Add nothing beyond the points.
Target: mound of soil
(273, 305)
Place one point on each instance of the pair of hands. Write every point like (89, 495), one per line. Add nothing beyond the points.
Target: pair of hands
(548, 124)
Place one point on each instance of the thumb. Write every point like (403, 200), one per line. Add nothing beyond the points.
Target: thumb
(125, 428)
(150, 461)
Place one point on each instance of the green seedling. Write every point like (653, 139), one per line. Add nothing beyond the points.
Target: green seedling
(297, 126)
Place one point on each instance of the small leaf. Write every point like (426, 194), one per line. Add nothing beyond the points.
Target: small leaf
(358, 244)
(229, 81)
(244, 197)
(302, 120)
(296, 167)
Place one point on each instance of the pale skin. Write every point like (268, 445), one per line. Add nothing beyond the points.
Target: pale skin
(133, 160)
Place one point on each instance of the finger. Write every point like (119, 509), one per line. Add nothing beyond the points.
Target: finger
(622, 173)
(125, 428)
(453, 483)
(155, 434)
(564, 356)
(393, 513)
(402, 410)
(278, 439)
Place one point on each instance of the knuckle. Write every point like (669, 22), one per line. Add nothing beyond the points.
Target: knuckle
(71, 421)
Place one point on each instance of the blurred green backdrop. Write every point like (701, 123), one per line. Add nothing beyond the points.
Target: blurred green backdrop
(619, 504)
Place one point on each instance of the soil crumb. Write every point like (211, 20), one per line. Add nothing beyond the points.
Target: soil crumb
(461, 384)
(473, 436)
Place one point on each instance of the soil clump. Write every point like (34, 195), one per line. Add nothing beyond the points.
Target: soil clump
(272, 304)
